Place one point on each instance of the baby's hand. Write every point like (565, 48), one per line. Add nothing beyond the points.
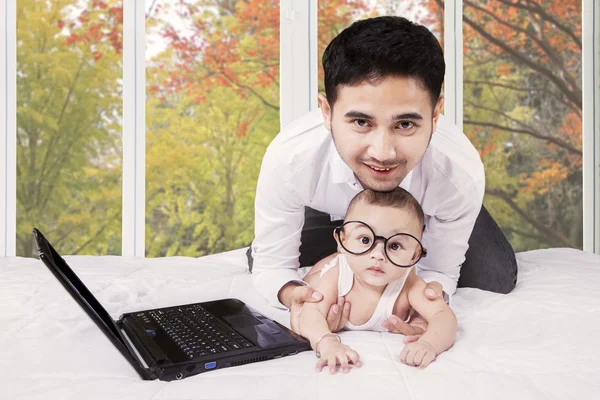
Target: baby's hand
(334, 353)
(419, 353)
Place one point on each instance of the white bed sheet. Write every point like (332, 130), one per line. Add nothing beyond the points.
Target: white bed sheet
(539, 342)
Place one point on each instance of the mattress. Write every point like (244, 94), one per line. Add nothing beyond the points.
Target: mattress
(539, 342)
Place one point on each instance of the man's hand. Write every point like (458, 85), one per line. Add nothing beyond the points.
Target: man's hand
(396, 325)
(434, 290)
(417, 325)
(294, 296)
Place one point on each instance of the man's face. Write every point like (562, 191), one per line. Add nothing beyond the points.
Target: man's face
(381, 131)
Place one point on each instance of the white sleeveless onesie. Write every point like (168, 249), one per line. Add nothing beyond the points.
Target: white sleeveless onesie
(385, 306)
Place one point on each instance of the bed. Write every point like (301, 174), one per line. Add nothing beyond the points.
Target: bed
(542, 341)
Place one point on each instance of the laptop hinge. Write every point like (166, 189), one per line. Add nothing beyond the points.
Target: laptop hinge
(145, 371)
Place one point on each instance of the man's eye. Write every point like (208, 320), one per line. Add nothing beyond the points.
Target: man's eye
(405, 125)
(362, 123)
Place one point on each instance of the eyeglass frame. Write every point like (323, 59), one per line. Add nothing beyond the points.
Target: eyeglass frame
(385, 241)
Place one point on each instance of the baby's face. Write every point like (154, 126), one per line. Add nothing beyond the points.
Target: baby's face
(374, 267)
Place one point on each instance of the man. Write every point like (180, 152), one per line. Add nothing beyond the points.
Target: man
(379, 126)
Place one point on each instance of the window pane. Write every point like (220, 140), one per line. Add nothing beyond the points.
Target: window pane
(212, 108)
(336, 15)
(69, 85)
(522, 110)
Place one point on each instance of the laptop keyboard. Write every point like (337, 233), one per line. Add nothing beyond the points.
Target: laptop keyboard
(196, 332)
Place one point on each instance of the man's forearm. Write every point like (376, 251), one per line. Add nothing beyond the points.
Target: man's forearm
(269, 282)
(286, 293)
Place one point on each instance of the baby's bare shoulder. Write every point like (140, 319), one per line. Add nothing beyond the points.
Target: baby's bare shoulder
(315, 272)
(326, 283)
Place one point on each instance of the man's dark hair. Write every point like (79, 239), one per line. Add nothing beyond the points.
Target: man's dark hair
(376, 48)
(397, 198)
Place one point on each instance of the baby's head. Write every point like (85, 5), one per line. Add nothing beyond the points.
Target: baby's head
(394, 215)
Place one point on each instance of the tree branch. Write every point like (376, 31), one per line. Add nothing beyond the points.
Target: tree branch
(549, 139)
(523, 89)
(91, 239)
(539, 10)
(541, 44)
(248, 88)
(540, 238)
(557, 239)
(573, 95)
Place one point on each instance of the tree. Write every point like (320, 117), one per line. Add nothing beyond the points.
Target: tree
(214, 109)
(68, 125)
(202, 166)
(522, 106)
(522, 102)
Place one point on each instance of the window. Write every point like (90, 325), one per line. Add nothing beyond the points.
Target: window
(336, 15)
(523, 112)
(212, 108)
(81, 163)
(69, 77)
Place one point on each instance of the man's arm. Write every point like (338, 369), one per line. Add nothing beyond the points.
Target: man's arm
(279, 217)
(446, 238)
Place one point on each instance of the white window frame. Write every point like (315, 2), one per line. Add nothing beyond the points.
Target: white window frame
(453, 53)
(134, 129)
(8, 128)
(298, 66)
(298, 95)
(591, 125)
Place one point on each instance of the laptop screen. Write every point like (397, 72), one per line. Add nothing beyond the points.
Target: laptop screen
(74, 285)
(82, 296)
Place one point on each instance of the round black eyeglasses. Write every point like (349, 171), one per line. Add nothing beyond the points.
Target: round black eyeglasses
(356, 237)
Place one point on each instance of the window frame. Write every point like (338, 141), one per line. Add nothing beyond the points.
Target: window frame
(591, 125)
(298, 95)
(8, 126)
(133, 223)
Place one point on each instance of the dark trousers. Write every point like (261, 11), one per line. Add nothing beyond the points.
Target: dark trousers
(490, 262)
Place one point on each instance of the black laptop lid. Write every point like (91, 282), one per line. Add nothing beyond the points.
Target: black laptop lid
(84, 297)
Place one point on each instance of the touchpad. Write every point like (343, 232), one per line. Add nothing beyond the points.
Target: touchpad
(242, 320)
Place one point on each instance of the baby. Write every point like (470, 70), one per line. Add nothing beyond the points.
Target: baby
(378, 246)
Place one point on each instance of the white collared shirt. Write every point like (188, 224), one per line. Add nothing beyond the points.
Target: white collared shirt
(302, 167)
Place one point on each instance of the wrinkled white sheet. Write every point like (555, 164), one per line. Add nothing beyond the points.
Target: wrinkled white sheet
(542, 341)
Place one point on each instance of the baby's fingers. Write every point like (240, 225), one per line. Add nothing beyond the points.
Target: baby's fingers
(353, 356)
(320, 364)
(344, 363)
(419, 355)
(332, 361)
(403, 354)
(410, 356)
(427, 359)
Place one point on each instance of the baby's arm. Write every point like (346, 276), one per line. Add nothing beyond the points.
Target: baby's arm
(441, 329)
(313, 325)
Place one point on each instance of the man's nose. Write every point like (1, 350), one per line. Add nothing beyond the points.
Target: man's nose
(382, 146)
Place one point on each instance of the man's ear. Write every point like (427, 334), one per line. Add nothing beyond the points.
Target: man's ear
(325, 110)
(436, 112)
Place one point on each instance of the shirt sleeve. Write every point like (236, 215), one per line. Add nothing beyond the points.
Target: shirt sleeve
(279, 217)
(446, 238)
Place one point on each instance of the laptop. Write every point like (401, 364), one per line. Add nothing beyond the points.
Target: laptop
(179, 341)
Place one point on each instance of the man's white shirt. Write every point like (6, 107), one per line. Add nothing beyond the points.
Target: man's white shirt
(302, 167)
